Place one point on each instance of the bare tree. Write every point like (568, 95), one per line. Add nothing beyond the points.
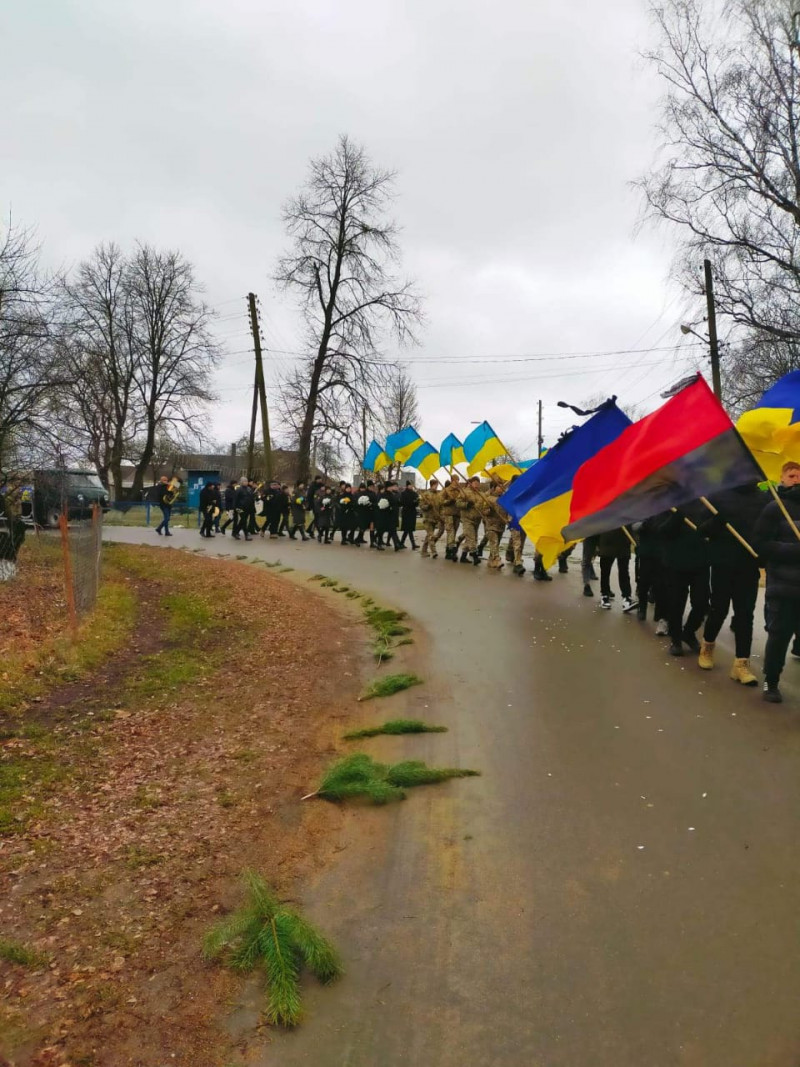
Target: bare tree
(172, 342)
(99, 345)
(29, 368)
(341, 266)
(731, 177)
(399, 407)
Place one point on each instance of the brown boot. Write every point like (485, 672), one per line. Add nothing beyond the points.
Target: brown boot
(706, 657)
(740, 672)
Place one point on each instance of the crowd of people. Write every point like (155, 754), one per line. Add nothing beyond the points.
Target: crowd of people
(710, 561)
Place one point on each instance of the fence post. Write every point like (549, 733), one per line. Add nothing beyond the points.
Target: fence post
(68, 581)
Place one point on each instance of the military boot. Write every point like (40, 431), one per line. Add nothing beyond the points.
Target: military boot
(740, 672)
(706, 657)
(465, 557)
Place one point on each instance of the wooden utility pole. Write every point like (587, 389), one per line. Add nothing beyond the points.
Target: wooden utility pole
(251, 444)
(716, 380)
(260, 386)
(541, 442)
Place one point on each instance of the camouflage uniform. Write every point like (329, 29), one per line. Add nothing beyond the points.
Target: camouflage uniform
(432, 521)
(495, 520)
(516, 542)
(468, 503)
(448, 510)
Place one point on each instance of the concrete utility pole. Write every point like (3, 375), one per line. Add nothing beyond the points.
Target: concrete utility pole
(260, 386)
(541, 442)
(716, 381)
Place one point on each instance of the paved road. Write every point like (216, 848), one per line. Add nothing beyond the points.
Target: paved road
(619, 889)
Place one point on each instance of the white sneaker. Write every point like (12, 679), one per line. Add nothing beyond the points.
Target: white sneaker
(628, 604)
(605, 603)
(662, 629)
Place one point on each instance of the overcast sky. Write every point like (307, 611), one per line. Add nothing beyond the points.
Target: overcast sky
(515, 128)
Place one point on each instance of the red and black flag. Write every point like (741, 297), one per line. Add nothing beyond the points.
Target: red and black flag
(686, 449)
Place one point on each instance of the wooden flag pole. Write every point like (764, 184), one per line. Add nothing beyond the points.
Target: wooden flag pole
(630, 536)
(786, 514)
(688, 521)
(730, 529)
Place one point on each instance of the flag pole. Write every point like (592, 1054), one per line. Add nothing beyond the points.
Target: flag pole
(688, 521)
(630, 536)
(786, 514)
(730, 529)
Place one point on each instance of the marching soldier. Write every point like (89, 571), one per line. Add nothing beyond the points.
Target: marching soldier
(449, 511)
(432, 521)
(468, 500)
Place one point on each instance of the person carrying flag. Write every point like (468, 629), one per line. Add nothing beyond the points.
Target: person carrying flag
(448, 509)
(778, 545)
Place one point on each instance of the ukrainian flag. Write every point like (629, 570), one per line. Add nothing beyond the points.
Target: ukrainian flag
(375, 459)
(771, 430)
(425, 459)
(400, 445)
(539, 500)
(481, 447)
(504, 472)
(451, 451)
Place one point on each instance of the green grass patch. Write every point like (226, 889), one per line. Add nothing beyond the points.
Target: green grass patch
(276, 563)
(392, 683)
(316, 578)
(15, 952)
(361, 776)
(397, 726)
(271, 935)
(285, 570)
(341, 589)
(352, 594)
(186, 614)
(25, 784)
(329, 582)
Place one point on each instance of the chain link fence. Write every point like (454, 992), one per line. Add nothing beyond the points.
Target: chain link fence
(82, 551)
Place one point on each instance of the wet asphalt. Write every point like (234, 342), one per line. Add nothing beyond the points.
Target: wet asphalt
(618, 889)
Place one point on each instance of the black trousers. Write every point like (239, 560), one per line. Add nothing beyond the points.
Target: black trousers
(623, 574)
(681, 585)
(208, 522)
(410, 535)
(650, 579)
(737, 586)
(783, 621)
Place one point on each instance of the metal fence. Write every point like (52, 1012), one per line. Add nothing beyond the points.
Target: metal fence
(82, 553)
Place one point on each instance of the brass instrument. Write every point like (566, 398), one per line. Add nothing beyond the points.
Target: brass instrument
(173, 489)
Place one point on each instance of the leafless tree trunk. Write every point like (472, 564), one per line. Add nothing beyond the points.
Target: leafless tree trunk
(29, 367)
(399, 407)
(730, 179)
(341, 266)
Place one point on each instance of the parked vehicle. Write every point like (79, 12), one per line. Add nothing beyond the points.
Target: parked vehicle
(52, 492)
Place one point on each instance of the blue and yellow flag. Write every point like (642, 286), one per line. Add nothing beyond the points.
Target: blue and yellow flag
(375, 459)
(451, 451)
(539, 500)
(771, 430)
(481, 447)
(400, 445)
(425, 459)
(503, 472)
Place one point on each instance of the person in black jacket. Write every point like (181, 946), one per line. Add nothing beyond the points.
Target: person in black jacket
(686, 574)
(345, 515)
(162, 489)
(208, 502)
(778, 546)
(614, 546)
(409, 499)
(362, 512)
(650, 576)
(734, 576)
(297, 506)
(244, 507)
(228, 495)
(323, 513)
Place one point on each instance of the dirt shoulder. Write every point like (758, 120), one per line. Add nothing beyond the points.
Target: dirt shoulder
(136, 791)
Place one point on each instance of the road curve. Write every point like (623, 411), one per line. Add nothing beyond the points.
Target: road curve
(618, 889)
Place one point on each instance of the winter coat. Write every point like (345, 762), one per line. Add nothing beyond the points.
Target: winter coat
(229, 493)
(208, 498)
(742, 508)
(682, 548)
(614, 544)
(323, 509)
(243, 499)
(383, 513)
(297, 506)
(409, 498)
(778, 546)
(363, 512)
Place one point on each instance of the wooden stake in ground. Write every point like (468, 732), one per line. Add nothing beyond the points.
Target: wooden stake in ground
(730, 529)
(786, 514)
